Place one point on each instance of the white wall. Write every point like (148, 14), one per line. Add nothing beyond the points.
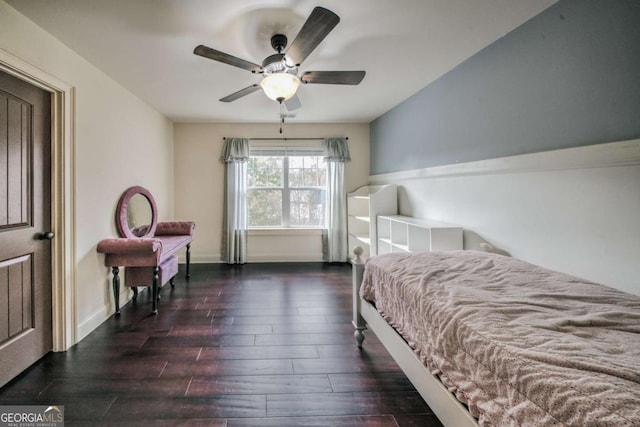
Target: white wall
(574, 210)
(119, 141)
(199, 176)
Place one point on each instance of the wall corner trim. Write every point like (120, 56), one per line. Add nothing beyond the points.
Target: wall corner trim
(611, 154)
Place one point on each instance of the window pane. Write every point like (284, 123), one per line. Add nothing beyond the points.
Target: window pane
(306, 171)
(315, 177)
(265, 171)
(264, 208)
(296, 177)
(296, 162)
(306, 208)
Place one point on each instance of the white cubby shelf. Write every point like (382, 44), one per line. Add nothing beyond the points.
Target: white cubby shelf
(397, 233)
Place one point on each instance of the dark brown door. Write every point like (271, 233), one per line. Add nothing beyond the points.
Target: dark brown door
(25, 212)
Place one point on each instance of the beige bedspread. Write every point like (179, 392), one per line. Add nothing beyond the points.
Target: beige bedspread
(519, 344)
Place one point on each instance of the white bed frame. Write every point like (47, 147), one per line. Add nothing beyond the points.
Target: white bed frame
(444, 404)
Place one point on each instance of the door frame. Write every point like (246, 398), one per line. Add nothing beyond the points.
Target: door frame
(63, 251)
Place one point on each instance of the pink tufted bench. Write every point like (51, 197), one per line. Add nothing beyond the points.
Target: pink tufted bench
(148, 252)
(142, 276)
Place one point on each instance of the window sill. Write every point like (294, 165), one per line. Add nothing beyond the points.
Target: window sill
(285, 231)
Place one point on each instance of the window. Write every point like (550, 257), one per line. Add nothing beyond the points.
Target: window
(286, 187)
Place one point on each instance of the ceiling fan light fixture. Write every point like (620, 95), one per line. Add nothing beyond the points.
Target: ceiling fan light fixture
(280, 86)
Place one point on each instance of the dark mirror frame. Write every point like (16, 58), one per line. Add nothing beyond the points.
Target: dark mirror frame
(121, 213)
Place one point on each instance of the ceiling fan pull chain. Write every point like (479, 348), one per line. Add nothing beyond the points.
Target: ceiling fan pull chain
(281, 117)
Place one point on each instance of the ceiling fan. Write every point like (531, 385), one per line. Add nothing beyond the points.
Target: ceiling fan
(280, 79)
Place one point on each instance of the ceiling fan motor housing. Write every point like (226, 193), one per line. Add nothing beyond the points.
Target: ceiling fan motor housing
(279, 42)
(275, 64)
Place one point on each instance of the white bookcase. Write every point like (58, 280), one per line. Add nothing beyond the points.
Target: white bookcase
(363, 207)
(397, 233)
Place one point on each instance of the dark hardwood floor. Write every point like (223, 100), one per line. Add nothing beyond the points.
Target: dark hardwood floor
(251, 345)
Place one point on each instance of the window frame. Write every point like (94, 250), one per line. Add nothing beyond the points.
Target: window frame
(286, 152)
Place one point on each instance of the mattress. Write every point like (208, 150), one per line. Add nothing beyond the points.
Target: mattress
(520, 345)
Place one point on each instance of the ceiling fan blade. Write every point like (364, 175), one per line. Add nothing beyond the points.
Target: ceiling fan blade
(242, 92)
(333, 77)
(216, 55)
(293, 103)
(313, 31)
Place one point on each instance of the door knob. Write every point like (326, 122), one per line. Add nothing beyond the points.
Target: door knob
(46, 235)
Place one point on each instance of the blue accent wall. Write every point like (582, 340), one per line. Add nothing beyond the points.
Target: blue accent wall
(568, 77)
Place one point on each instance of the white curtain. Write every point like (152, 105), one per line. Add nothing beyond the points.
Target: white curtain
(334, 242)
(235, 154)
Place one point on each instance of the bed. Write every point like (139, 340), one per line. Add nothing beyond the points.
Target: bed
(494, 341)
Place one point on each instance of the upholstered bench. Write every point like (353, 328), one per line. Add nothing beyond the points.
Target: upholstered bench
(148, 251)
(143, 276)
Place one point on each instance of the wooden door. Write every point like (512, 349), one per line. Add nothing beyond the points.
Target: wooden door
(25, 212)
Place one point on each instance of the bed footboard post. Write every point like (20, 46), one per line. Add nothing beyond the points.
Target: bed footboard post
(358, 269)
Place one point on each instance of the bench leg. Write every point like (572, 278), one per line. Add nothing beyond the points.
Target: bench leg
(154, 297)
(135, 293)
(116, 288)
(188, 260)
(171, 282)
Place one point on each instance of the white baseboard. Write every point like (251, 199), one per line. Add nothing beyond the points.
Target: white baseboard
(274, 257)
(99, 316)
(285, 258)
(201, 259)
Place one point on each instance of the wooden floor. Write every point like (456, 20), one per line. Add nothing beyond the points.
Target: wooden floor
(252, 345)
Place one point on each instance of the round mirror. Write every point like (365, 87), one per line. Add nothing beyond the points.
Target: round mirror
(136, 215)
(139, 215)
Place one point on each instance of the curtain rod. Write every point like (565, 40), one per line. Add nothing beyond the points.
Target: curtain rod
(285, 139)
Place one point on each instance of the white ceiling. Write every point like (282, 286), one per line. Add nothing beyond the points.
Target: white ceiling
(147, 45)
